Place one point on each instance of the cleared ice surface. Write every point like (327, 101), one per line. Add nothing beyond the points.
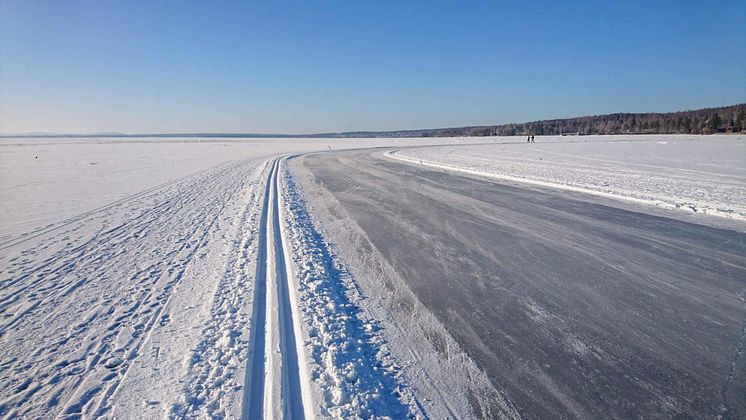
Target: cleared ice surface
(434, 371)
(575, 307)
(700, 174)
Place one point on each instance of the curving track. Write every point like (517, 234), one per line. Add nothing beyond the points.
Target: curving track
(576, 307)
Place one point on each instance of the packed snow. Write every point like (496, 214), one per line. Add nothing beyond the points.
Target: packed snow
(116, 300)
(696, 174)
(351, 367)
(128, 274)
(45, 181)
(192, 277)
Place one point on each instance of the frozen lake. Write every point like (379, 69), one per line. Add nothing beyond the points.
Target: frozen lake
(180, 277)
(575, 308)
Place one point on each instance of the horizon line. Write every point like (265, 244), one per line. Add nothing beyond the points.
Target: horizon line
(116, 134)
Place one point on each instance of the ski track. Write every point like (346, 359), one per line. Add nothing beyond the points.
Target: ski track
(80, 300)
(312, 353)
(295, 382)
(276, 384)
(78, 304)
(253, 401)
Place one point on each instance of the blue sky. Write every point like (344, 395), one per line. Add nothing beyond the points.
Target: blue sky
(295, 67)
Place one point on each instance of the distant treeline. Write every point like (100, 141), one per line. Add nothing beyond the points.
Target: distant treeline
(726, 119)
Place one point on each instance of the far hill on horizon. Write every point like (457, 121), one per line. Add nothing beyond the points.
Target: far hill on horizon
(726, 119)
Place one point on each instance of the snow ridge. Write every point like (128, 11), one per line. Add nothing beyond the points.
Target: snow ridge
(693, 194)
(350, 364)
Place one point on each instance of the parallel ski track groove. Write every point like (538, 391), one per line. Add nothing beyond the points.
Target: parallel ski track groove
(291, 394)
(253, 403)
(291, 382)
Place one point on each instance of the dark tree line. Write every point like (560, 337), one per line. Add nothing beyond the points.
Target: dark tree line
(701, 121)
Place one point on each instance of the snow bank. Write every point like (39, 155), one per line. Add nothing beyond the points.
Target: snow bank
(696, 174)
(353, 372)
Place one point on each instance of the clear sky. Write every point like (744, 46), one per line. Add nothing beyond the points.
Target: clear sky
(296, 67)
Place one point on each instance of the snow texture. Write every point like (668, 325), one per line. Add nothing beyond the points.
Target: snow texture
(115, 299)
(351, 366)
(132, 273)
(128, 272)
(697, 174)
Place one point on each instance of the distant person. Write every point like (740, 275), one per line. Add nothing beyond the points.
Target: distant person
(528, 139)
(532, 139)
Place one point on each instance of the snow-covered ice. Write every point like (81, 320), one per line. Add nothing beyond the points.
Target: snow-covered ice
(128, 272)
(193, 278)
(699, 174)
(44, 181)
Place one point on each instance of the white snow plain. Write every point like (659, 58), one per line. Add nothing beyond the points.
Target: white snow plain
(127, 282)
(697, 174)
(45, 181)
(129, 271)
